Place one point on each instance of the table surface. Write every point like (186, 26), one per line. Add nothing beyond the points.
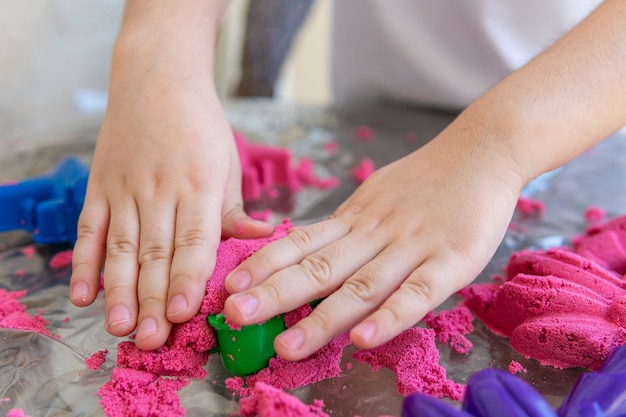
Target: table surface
(47, 376)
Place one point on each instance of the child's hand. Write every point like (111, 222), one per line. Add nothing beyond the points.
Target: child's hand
(415, 232)
(165, 184)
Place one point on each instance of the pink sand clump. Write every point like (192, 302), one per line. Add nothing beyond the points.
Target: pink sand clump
(294, 316)
(13, 314)
(286, 375)
(564, 307)
(266, 169)
(331, 146)
(451, 327)
(96, 360)
(605, 245)
(61, 260)
(362, 170)
(306, 176)
(529, 206)
(594, 214)
(131, 392)
(268, 401)
(414, 358)
(364, 133)
(28, 251)
(516, 367)
(17, 412)
(323, 364)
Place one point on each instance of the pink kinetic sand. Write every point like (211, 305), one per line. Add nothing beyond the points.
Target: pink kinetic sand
(594, 214)
(268, 401)
(565, 308)
(529, 206)
(364, 169)
(13, 314)
(17, 412)
(306, 176)
(137, 393)
(605, 245)
(331, 146)
(186, 350)
(61, 260)
(452, 326)
(414, 358)
(516, 367)
(28, 251)
(96, 360)
(363, 133)
(266, 169)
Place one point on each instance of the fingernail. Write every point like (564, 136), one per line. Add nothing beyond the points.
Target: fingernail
(366, 330)
(178, 304)
(80, 291)
(147, 327)
(246, 304)
(119, 314)
(240, 280)
(292, 339)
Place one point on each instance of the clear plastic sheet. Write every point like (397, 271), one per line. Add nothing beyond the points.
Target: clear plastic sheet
(47, 376)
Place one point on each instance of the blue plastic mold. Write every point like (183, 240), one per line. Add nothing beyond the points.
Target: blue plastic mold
(47, 206)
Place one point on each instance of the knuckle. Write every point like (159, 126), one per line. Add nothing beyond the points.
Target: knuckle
(360, 288)
(235, 210)
(120, 246)
(190, 237)
(85, 231)
(302, 238)
(392, 311)
(116, 291)
(188, 276)
(274, 292)
(79, 262)
(262, 264)
(317, 268)
(147, 301)
(320, 320)
(153, 253)
(420, 291)
(196, 178)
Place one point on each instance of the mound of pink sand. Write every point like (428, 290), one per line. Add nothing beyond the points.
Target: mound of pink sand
(451, 327)
(414, 358)
(266, 169)
(268, 401)
(565, 307)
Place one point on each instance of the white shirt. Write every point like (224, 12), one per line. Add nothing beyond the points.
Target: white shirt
(442, 53)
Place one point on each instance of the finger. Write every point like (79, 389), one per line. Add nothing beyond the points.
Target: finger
(288, 251)
(235, 222)
(195, 246)
(426, 288)
(88, 253)
(359, 295)
(317, 275)
(121, 269)
(156, 250)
